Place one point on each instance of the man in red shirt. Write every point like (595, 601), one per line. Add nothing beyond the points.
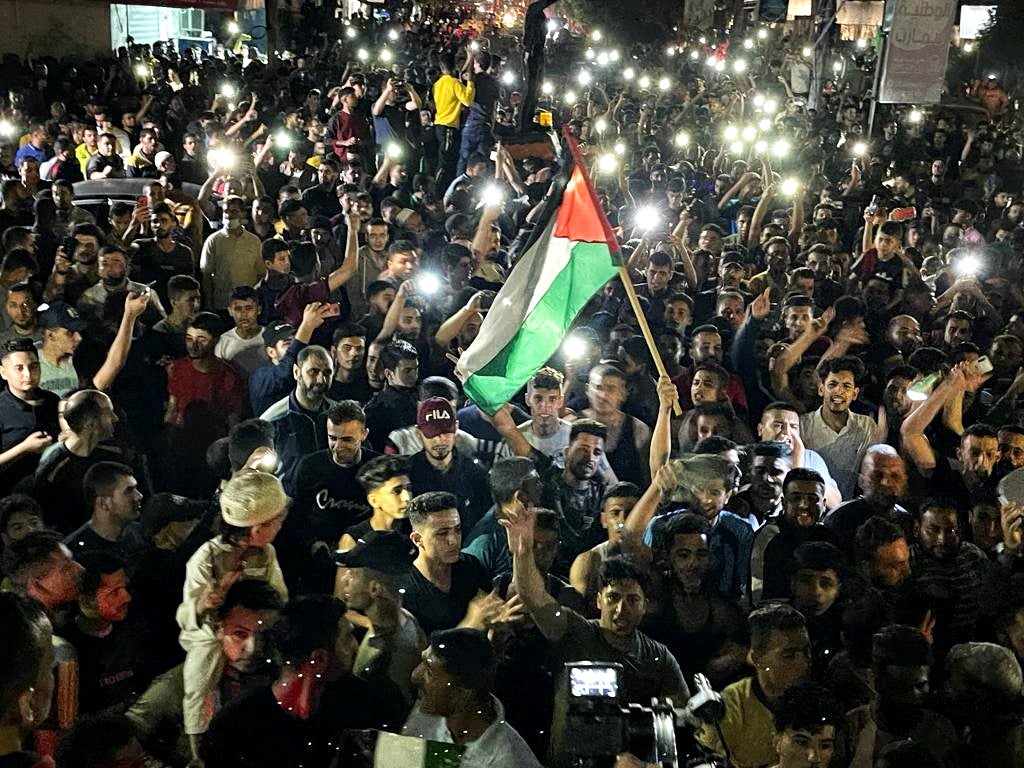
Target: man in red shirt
(207, 398)
(350, 129)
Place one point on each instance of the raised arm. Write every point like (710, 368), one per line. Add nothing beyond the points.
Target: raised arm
(134, 305)
(661, 436)
(915, 443)
(547, 613)
(451, 327)
(350, 265)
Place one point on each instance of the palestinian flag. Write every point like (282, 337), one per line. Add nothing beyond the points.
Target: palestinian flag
(393, 751)
(570, 260)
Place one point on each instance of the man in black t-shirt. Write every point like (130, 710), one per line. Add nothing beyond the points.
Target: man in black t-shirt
(445, 588)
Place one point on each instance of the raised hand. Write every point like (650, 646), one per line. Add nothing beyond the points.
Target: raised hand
(762, 305)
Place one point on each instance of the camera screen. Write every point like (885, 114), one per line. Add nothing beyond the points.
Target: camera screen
(602, 682)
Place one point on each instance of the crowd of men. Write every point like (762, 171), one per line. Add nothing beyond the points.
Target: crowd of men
(248, 511)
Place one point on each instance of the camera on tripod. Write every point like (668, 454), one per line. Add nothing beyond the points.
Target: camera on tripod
(593, 725)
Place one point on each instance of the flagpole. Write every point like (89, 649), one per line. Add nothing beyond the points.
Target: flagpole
(645, 329)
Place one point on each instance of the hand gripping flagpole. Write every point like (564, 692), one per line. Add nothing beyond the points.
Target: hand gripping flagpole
(627, 283)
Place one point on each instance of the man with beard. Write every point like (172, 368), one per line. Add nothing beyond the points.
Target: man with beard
(369, 578)
(21, 308)
(902, 337)
(774, 278)
(882, 555)
(455, 678)
(706, 344)
(900, 661)
(440, 466)
(838, 434)
(328, 500)
(206, 398)
(230, 257)
(113, 269)
(115, 499)
(1011, 448)
(656, 286)
(949, 571)
(883, 484)
(302, 714)
(627, 443)
(157, 259)
(803, 504)
(395, 405)
(300, 420)
(894, 398)
(348, 348)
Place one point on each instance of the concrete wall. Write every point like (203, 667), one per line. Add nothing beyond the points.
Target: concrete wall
(55, 27)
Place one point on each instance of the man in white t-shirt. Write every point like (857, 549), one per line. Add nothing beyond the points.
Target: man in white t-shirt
(243, 345)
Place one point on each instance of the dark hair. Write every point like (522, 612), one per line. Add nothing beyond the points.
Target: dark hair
(346, 410)
(272, 247)
(547, 378)
(100, 479)
(773, 449)
(468, 656)
(377, 471)
(714, 444)
(245, 437)
(347, 331)
(801, 474)
(712, 367)
(207, 321)
(438, 386)
(874, 533)
(308, 623)
(97, 564)
(83, 408)
(683, 524)
(623, 568)
(980, 429)
(94, 740)
(243, 293)
(900, 646)
(659, 259)
(506, 478)
(251, 594)
(429, 503)
(849, 364)
(23, 646)
(818, 556)
(19, 258)
(18, 503)
(806, 707)
(395, 352)
(30, 556)
(313, 350)
(587, 427)
(18, 345)
(179, 284)
(772, 618)
(377, 286)
(621, 490)
(891, 228)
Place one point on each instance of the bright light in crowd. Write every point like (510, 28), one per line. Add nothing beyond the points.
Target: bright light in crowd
(385, 55)
(968, 46)
(761, 147)
(670, 51)
(758, 99)
(596, 35)
(584, 78)
(770, 105)
(588, 54)
(614, 55)
(764, 124)
(748, 43)
(603, 59)
(141, 70)
(607, 164)
(780, 148)
(915, 116)
(221, 158)
(807, 51)
(837, 66)
(736, 147)
(393, 150)
(628, 73)
(702, 40)
(694, 55)
(570, 98)
(393, 35)
(620, 148)
(682, 139)
(492, 196)
(508, 19)
(762, 33)
(474, 46)
(860, 148)
(283, 140)
(362, 54)
(712, 60)
(574, 347)
(645, 82)
(664, 84)
(731, 132)
(968, 265)
(552, 25)
(507, 77)
(790, 187)
(647, 218)
(720, 66)
(228, 90)
(547, 88)
(350, 32)
(740, 65)
(862, 43)
(233, 28)
(428, 283)
(6, 128)
(749, 132)
(600, 125)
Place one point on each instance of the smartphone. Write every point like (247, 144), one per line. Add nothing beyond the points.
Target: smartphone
(903, 214)
(983, 364)
(142, 201)
(333, 310)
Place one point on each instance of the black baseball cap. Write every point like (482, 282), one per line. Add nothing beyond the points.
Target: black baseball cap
(276, 332)
(384, 551)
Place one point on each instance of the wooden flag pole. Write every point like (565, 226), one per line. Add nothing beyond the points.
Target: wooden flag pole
(645, 329)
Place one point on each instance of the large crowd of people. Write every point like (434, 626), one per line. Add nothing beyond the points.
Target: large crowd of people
(248, 511)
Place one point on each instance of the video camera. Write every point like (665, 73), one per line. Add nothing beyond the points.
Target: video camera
(592, 724)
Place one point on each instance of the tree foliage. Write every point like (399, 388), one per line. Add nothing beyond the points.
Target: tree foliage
(1001, 41)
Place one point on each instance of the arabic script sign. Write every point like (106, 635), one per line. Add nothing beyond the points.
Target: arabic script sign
(915, 61)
